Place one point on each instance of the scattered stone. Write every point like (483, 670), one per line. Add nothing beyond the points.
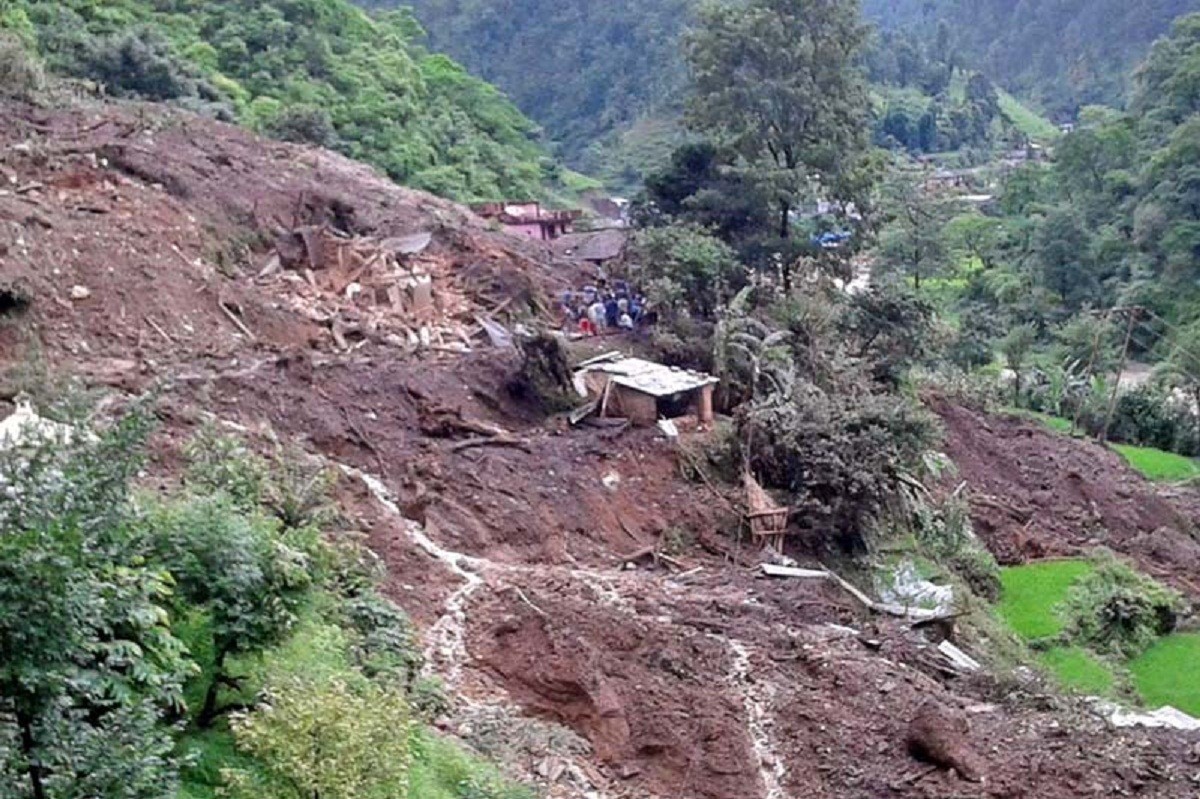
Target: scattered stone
(941, 736)
(80, 292)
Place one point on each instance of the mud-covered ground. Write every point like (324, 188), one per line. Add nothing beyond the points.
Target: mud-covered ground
(688, 677)
(1036, 493)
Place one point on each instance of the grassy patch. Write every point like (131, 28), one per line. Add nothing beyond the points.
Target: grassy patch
(1158, 465)
(1166, 673)
(442, 770)
(1049, 421)
(1078, 669)
(1031, 593)
(1025, 120)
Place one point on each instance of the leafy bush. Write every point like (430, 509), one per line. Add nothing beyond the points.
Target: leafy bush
(235, 566)
(892, 327)
(21, 75)
(1117, 610)
(837, 454)
(944, 533)
(303, 124)
(333, 739)
(1147, 416)
(685, 270)
(138, 63)
(291, 485)
(90, 664)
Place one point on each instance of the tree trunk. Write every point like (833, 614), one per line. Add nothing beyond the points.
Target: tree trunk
(29, 749)
(208, 712)
(785, 230)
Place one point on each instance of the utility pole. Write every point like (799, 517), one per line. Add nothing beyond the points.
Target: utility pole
(1133, 313)
(1090, 367)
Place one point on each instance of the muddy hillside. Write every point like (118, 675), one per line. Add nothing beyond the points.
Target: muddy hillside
(572, 588)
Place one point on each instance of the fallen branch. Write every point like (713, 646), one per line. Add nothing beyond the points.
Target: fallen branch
(150, 321)
(884, 608)
(238, 322)
(492, 441)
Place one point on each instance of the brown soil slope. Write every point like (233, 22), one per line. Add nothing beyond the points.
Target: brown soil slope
(692, 679)
(133, 223)
(1036, 493)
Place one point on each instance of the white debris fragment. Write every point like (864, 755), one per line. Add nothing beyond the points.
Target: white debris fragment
(907, 588)
(80, 292)
(1165, 717)
(958, 658)
(24, 425)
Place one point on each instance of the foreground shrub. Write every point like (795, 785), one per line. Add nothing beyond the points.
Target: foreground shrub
(333, 740)
(1117, 610)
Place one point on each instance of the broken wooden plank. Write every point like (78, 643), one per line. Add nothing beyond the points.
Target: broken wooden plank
(958, 658)
(582, 412)
(238, 322)
(771, 570)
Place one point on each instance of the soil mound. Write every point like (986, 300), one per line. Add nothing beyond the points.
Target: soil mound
(1035, 493)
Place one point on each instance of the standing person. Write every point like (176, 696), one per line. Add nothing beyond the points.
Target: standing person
(626, 321)
(596, 316)
(612, 313)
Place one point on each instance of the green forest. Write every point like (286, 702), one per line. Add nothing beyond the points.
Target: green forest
(211, 640)
(316, 71)
(605, 80)
(1058, 54)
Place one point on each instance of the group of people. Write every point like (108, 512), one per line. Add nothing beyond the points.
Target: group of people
(601, 308)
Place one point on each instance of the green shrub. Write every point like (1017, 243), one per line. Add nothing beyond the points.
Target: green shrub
(1117, 610)
(838, 455)
(333, 739)
(303, 124)
(21, 75)
(1146, 416)
(138, 63)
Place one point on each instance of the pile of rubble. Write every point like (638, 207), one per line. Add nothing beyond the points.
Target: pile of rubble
(391, 289)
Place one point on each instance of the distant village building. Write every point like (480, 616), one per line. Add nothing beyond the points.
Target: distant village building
(643, 391)
(529, 219)
(599, 248)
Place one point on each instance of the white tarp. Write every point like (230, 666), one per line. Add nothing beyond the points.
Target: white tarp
(24, 425)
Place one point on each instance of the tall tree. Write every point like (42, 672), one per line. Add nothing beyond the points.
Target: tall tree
(779, 81)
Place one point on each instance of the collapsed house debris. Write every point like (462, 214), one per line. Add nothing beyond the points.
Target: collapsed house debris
(529, 219)
(393, 288)
(643, 391)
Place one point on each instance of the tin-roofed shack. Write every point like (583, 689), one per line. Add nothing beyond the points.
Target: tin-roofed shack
(643, 391)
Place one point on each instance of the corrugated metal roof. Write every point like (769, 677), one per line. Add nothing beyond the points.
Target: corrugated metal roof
(648, 377)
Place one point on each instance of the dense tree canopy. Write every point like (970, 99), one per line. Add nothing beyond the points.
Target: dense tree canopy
(778, 82)
(1062, 54)
(309, 70)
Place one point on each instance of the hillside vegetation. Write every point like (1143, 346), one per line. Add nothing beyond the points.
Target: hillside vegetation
(320, 71)
(1061, 54)
(606, 80)
(583, 70)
